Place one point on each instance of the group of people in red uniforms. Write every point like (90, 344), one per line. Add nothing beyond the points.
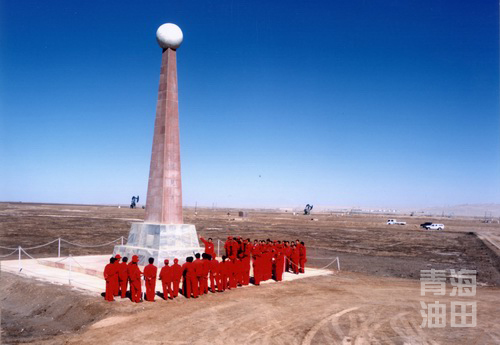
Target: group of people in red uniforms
(120, 274)
(269, 260)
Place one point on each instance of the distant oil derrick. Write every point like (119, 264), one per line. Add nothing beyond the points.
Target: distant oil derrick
(307, 210)
(135, 199)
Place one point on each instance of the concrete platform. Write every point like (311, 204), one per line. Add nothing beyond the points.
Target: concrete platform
(84, 273)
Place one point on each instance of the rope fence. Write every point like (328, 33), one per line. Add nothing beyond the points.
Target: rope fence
(19, 250)
(93, 246)
(322, 268)
(42, 245)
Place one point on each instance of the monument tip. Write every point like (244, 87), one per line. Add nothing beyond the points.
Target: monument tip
(169, 36)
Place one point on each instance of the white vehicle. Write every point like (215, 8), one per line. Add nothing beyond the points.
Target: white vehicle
(435, 226)
(394, 222)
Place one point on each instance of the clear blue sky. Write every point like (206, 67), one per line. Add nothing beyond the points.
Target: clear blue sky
(336, 103)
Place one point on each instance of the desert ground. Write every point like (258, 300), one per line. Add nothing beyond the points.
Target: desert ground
(374, 299)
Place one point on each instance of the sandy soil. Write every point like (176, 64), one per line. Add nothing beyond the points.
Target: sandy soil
(348, 308)
(365, 304)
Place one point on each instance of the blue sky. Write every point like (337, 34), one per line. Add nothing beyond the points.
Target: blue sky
(282, 103)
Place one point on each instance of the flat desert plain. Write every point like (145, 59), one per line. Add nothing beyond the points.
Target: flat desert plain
(374, 299)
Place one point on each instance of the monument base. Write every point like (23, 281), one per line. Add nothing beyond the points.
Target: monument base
(160, 241)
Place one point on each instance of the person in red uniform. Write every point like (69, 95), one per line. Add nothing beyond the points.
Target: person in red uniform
(215, 280)
(231, 247)
(246, 261)
(265, 261)
(110, 275)
(298, 245)
(272, 265)
(198, 269)
(134, 274)
(294, 258)
(254, 245)
(224, 272)
(237, 246)
(123, 277)
(166, 277)
(228, 245)
(269, 244)
(150, 272)
(209, 247)
(204, 274)
(279, 264)
(270, 262)
(116, 291)
(302, 257)
(287, 250)
(176, 277)
(239, 270)
(189, 278)
(257, 260)
(230, 273)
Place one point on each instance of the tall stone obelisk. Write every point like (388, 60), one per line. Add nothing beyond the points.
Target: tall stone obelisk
(163, 233)
(164, 202)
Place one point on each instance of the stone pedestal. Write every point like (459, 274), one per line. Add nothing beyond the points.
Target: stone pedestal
(160, 241)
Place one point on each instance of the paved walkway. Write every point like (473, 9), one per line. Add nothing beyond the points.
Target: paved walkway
(84, 273)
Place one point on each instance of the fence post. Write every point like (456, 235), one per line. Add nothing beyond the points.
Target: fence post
(59, 248)
(19, 260)
(122, 240)
(218, 245)
(338, 263)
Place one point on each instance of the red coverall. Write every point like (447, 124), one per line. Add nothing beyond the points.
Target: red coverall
(279, 265)
(123, 278)
(231, 247)
(236, 248)
(176, 277)
(239, 271)
(245, 262)
(209, 247)
(134, 274)
(166, 277)
(228, 245)
(214, 275)
(223, 273)
(265, 262)
(198, 269)
(278, 247)
(110, 275)
(190, 280)
(288, 252)
(150, 278)
(294, 258)
(257, 260)
(116, 291)
(302, 258)
(232, 272)
(204, 276)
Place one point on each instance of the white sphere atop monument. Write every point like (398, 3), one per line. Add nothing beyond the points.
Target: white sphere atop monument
(169, 36)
